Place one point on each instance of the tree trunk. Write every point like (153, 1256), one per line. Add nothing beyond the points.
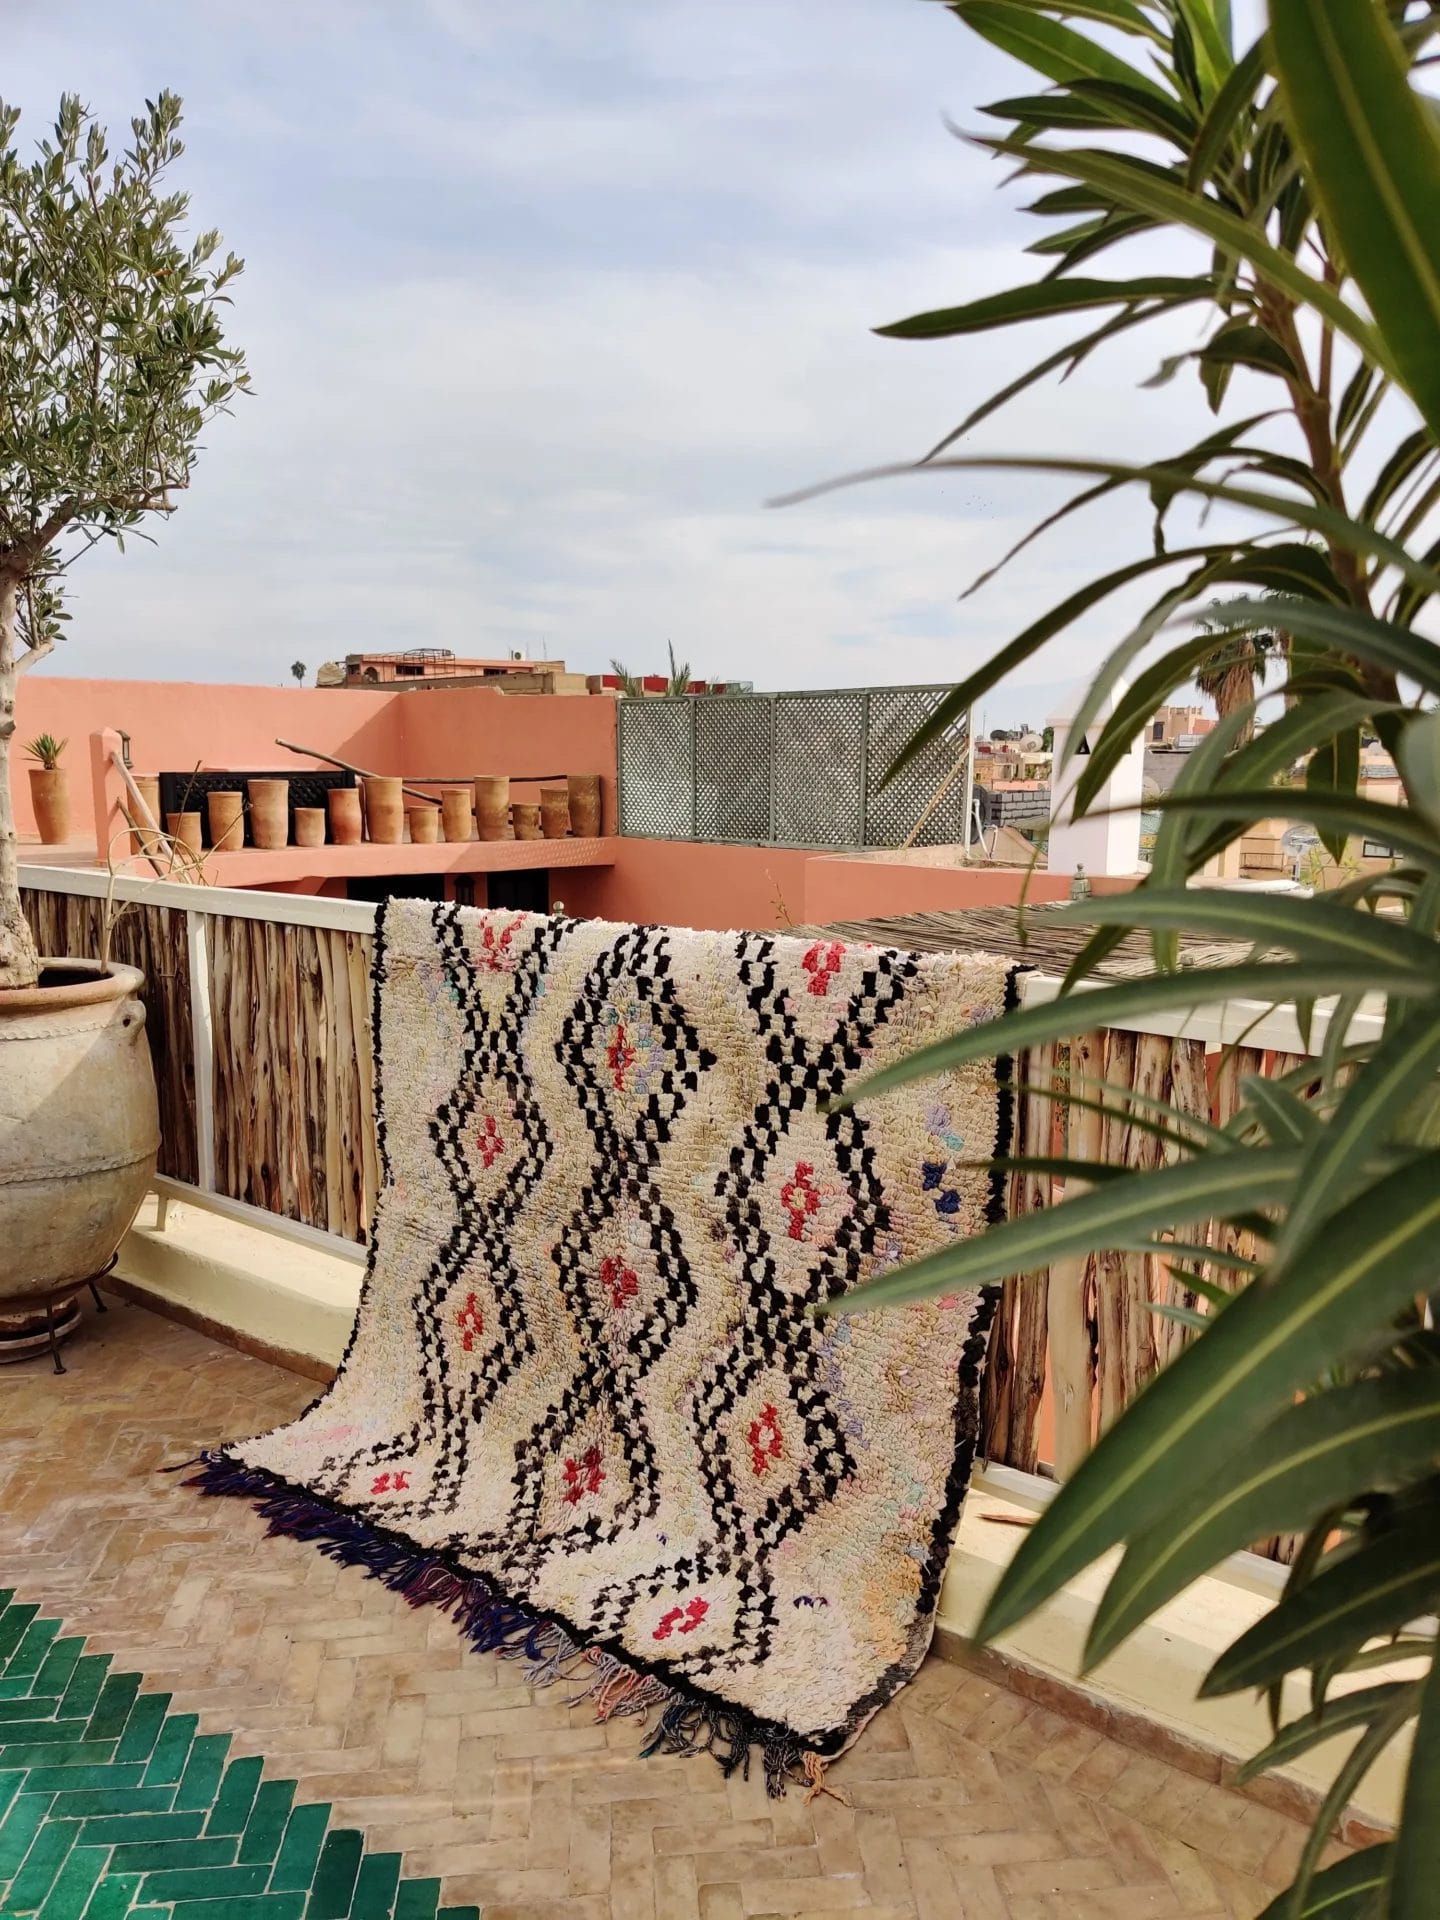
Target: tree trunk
(18, 964)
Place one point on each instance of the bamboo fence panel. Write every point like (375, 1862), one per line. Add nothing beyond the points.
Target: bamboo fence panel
(1015, 1376)
(1125, 1282)
(152, 939)
(294, 1072)
(1069, 1289)
(1189, 1095)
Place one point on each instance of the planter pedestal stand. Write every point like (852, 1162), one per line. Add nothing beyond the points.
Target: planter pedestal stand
(53, 1322)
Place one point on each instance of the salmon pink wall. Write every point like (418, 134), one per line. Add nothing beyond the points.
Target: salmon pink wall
(700, 884)
(172, 726)
(838, 889)
(476, 730)
(691, 884)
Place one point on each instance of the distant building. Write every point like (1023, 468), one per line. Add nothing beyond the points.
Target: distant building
(1179, 727)
(659, 683)
(431, 663)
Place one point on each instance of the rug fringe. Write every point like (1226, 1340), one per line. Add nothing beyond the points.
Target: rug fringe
(492, 1624)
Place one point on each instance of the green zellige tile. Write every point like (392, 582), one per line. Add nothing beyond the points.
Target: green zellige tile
(13, 1623)
(114, 1897)
(74, 1885)
(54, 1676)
(86, 1681)
(417, 1900)
(300, 1849)
(180, 1884)
(172, 1750)
(47, 1854)
(376, 1887)
(29, 1655)
(19, 1828)
(237, 1796)
(200, 1781)
(112, 1709)
(130, 1829)
(265, 1829)
(142, 1729)
(335, 1876)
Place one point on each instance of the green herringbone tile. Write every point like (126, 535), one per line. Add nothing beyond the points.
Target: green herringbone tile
(114, 1808)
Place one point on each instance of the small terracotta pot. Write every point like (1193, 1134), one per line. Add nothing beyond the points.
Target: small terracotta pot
(492, 806)
(227, 820)
(384, 809)
(554, 812)
(347, 823)
(424, 825)
(584, 792)
(52, 804)
(527, 821)
(457, 813)
(185, 827)
(148, 786)
(309, 826)
(270, 813)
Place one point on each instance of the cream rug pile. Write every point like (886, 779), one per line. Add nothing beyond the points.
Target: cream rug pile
(588, 1407)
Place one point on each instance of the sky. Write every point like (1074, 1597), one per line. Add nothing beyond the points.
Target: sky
(543, 304)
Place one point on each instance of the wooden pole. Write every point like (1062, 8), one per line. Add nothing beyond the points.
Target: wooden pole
(428, 780)
(1072, 1371)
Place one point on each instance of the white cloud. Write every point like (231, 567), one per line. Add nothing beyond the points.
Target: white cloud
(543, 304)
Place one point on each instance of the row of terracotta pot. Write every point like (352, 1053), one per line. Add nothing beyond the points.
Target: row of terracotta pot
(384, 817)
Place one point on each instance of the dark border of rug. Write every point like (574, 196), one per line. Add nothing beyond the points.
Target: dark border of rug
(692, 1719)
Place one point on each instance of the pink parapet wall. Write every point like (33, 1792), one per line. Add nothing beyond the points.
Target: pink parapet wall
(707, 885)
(175, 726)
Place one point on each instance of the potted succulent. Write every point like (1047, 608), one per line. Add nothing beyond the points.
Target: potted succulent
(112, 362)
(49, 792)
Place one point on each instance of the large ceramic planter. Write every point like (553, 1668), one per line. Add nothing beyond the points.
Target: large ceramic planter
(385, 808)
(227, 821)
(50, 795)
(584, 795)
(269, 812)
(79, 1126)
(492, 806)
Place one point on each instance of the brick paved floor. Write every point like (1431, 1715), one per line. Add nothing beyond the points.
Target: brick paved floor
(968, 1802)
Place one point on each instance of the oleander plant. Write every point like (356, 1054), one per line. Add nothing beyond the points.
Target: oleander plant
(1305, 168)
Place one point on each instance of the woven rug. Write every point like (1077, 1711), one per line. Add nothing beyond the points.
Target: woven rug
(588, 1407)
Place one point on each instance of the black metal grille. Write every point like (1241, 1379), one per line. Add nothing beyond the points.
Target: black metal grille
(790, 769)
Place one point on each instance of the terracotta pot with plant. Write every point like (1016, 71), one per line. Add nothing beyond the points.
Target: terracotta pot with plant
(49, 790)
(99, 432)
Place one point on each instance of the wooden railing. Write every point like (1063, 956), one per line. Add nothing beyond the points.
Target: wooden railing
(1074, 1345)
(258, 1015)
(259, 1022)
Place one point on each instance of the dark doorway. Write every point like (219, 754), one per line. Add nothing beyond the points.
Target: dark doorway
(396, 886)
(520, 892)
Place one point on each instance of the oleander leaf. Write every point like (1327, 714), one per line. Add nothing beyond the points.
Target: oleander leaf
(1208, 1405)
(1372, 150)
(1363, 1438)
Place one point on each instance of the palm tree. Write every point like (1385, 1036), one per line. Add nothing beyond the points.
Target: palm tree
(297, 668)
(1229, 675)
(679, 681)
(633, 683)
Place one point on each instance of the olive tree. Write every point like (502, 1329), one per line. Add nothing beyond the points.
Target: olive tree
(112, 360)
